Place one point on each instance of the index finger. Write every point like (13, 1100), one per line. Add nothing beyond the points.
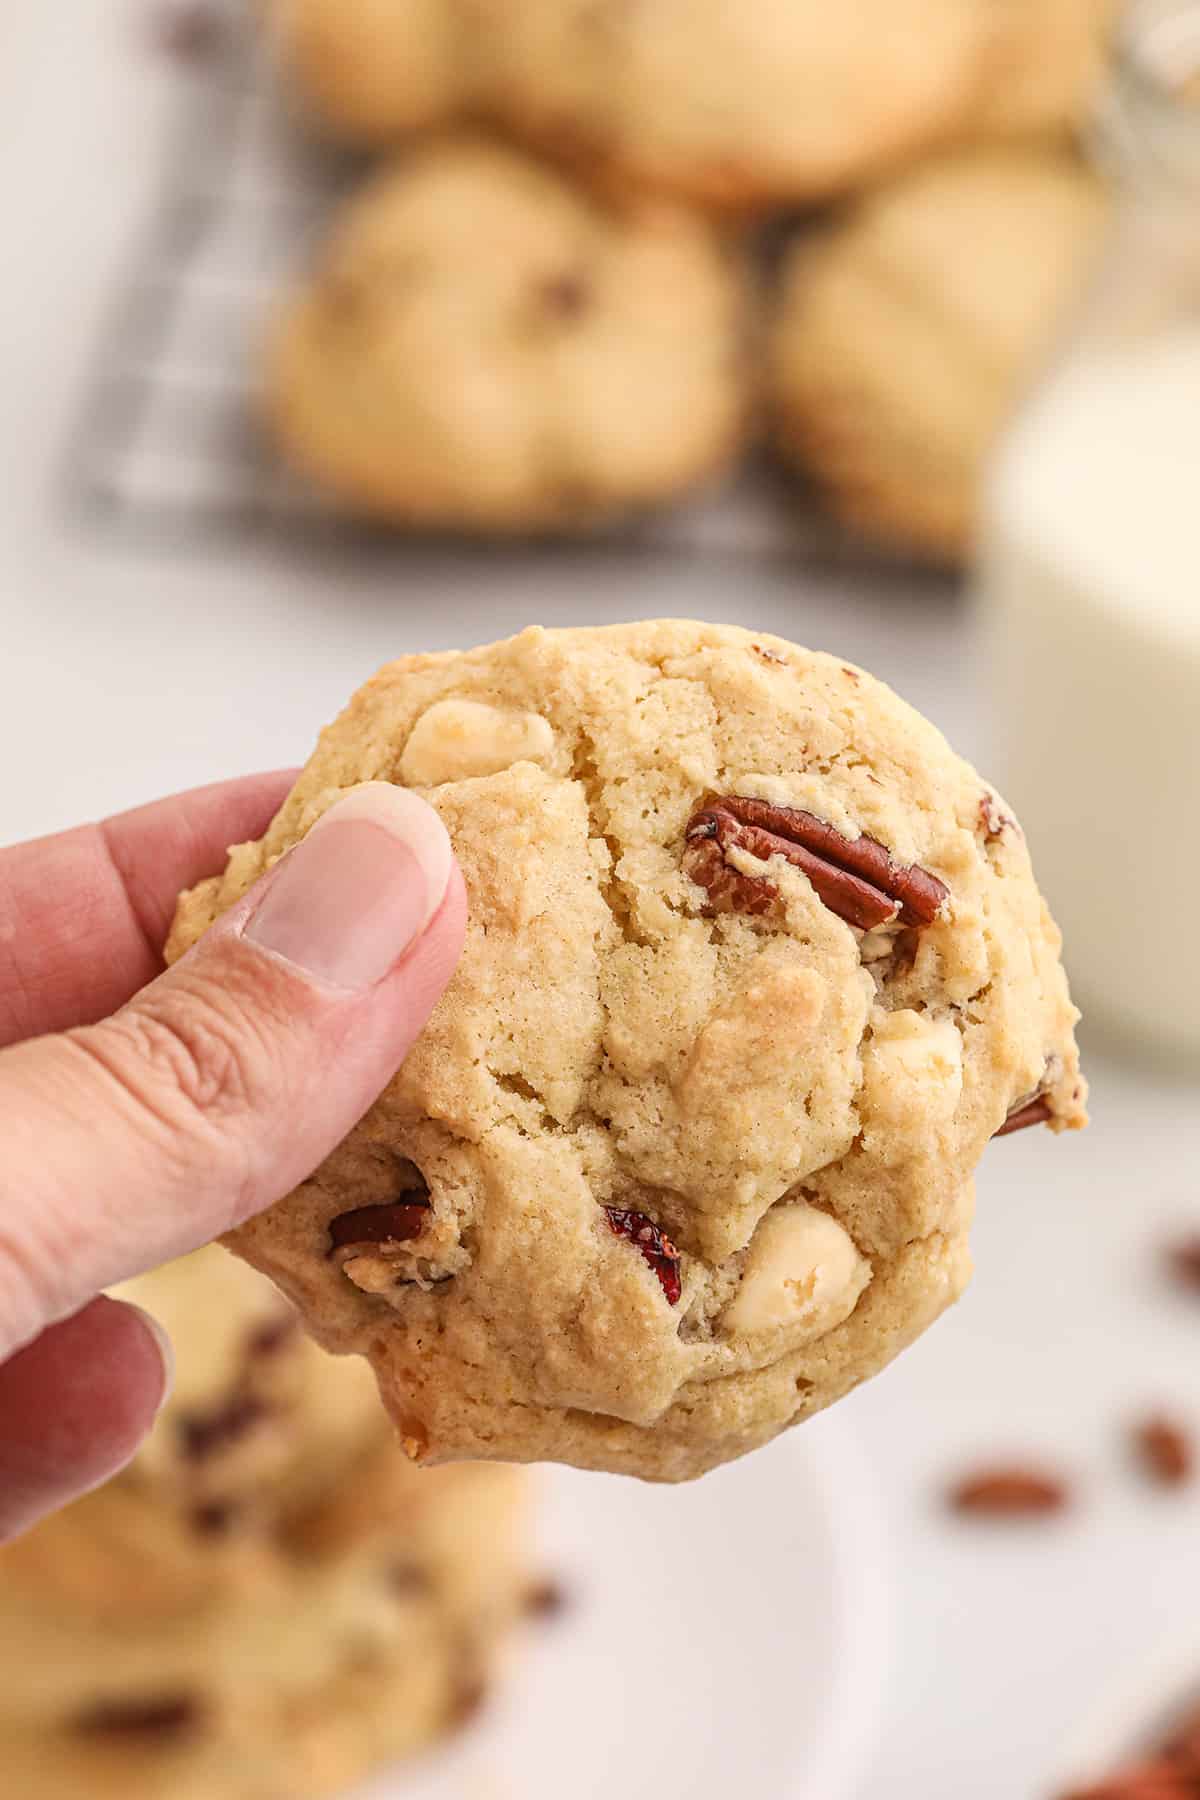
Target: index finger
(83, 914)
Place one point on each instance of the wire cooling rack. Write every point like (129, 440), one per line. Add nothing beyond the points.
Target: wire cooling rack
(166, 442)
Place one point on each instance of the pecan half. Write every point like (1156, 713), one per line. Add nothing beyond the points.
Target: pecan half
(397, 1222)
(654, 1245)
(1037, 1111)
(1164, 1450)
(1009, 1493)
(856, 878)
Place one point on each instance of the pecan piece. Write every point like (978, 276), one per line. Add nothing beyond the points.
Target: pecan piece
(1037, 1111)
(1157, 1780)
(165, 1716)
(654, 1245)
(1183, 1263)
(202, 1434)
(1009, 1493)
(1164, 1450)
(856, 878)
(397, 1222)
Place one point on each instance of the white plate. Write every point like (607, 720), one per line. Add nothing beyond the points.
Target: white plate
(727, 1636)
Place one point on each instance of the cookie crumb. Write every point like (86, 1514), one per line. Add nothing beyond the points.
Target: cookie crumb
(191, 32)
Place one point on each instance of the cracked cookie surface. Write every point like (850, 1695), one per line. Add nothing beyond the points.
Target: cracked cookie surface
(677, 1161)
(486, 346)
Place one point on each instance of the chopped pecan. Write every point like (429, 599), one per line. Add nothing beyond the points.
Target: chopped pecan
(1157, 1780)
(1183, 1262)
(566, 296)
(771, 656)
(158, 1716)
(397, 1222)
(654, 1245)
(201, 1434)
(1009, 1493)
(1037, 1111)
(994, 819)
(856, 878)
(269, 1337)
(1164, 1450)
(546, 1599)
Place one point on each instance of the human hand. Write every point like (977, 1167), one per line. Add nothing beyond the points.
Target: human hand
(143, 1113)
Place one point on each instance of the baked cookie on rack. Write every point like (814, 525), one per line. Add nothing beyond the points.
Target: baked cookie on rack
(485, 346)
(373, 71)
(903, 334)
(733, 104)
(756, 968)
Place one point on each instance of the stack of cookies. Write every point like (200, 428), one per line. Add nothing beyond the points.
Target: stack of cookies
(569, 318)
(271, 1600)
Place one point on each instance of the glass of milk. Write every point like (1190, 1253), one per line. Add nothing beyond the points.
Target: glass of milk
(1089, 573)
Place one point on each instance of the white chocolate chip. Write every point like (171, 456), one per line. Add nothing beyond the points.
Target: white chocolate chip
(457, 739)
(912, 1068)
(802, 1270)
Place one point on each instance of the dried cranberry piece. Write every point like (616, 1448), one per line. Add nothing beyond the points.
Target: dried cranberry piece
(654, 1245)
(396, 1222)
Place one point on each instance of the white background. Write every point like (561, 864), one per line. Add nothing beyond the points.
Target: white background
(124, 674)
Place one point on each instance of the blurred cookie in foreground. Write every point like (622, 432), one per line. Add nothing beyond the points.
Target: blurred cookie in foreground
(254, 1648)
(732, 104)
(371, 71)
(1047, 64)
(362, 1632)
(905, 332)
(260, 1419)
(485, 346)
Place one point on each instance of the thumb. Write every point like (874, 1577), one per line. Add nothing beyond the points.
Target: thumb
(226, 1081)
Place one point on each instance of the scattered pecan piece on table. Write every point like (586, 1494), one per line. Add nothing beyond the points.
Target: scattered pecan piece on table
(1164, 1450)
(1009, 1492)
(856, 878)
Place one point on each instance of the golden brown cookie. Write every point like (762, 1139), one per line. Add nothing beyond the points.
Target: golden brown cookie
(330, 1610)
(729, 103)
(372, 71)
(1045, 65)
(756, 968)
(486, 346)
(904, 333)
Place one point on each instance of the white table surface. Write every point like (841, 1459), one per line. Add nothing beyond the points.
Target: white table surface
(125, 673)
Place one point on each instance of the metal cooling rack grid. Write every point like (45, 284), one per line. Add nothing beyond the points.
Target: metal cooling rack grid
(166, 444)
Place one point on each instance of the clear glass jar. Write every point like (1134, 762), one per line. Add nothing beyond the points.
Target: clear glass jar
(1089, 571)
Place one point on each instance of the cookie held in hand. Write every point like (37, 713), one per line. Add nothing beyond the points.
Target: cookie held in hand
(756, 969)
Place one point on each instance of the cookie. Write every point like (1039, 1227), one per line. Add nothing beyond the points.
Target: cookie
(333, 1608)
(1045, 66)
(755, 970)
(737, 105)
(486, 347)
(371, 71)
(373, 1624)
(260, 1419)
(904, 335)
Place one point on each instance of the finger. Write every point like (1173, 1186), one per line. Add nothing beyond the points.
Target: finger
(83, 915)
(227, 1080)
(74, 1406)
